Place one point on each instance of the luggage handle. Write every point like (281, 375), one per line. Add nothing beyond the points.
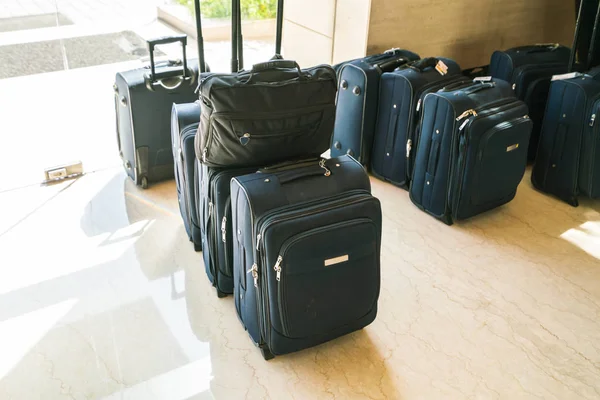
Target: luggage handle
(283, 166)
(544, 47)
(422, 65)
(273, 65)
(165, 40)
(392, 64)
(482, 86)
(295, 174)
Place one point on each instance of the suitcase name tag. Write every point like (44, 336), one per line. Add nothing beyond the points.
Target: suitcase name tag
(513, 147)
(483, 79)
(336, 260)
(441, 67)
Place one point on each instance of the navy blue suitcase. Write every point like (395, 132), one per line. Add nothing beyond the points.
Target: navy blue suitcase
(472, 153)
(306, 253)
(530, 69)
(214, 206)
(185, 119)
(357, 100)
(566, 164)
(400, 96)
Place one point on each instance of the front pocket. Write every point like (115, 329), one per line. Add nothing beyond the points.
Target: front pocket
(238, 139)
(501, 161)
(328, 277)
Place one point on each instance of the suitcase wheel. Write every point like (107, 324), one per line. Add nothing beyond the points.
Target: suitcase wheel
(266, 353)
(197, 247)
(144, 182)
(573, 202)
(221, 294)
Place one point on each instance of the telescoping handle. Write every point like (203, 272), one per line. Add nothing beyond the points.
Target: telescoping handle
(166, 40)
(199, 37)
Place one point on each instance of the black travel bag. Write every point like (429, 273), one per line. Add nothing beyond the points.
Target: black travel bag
(307, 240)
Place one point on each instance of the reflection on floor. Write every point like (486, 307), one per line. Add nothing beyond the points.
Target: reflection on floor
(102, 296)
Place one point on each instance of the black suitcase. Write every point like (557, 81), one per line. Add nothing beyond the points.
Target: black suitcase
(272, 113)
(529, 69)
(401, 94)
(215, 222)
(184, 124)
(472, 153)
(357, 99)
(567, 162)
(306, 253)
(143, 100)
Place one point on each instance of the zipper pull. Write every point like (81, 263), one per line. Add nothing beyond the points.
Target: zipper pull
(277, 267)
(254, 272)
(593, 119)
(322, 165)
(408, 147)
(224, 229)
(258, 237)
(204, 154)
(466, 114)
(419, 104)
(462, 126)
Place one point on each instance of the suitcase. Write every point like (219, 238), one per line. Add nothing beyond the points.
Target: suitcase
(357, 99)
(400, 98)
(215, 220)
(143, 136)
(306, 253)
(472, 153)
(272, 113)
(566, 164)
(529, 69)
(184, 124)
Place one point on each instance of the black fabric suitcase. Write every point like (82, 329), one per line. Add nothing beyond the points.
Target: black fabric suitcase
(215, 222)
(143, 100)
(401, 94)
(306, 253)
(357, 99)
(184, 124)
(529, 69)
(568, 156)
(472, 153)
(272, 113)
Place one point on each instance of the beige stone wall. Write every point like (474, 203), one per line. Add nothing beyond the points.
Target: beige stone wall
(468, 30)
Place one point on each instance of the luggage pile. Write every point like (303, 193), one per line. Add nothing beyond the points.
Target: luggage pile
(296, 237)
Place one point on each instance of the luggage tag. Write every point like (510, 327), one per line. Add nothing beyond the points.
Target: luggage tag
(441, 67)
(570, 75)
(483, 79)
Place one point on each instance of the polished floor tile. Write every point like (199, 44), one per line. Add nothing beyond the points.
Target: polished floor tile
(103, 297)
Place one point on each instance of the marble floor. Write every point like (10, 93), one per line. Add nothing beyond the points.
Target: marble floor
(103, 297)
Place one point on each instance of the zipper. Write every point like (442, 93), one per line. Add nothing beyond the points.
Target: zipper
(285, 247)
(500, 127)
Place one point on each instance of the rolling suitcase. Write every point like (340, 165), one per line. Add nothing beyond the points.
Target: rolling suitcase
(357, 99)
(401, 95)
(143, 99)
(566, 164)
(472, 153)
(216, 231)
(184, 124)
(306, 253)
(529, 69)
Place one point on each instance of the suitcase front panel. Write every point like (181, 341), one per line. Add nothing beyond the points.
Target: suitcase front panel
(494, 164)
(315, 285)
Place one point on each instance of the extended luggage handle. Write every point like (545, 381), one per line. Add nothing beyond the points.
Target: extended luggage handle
(182, 75)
